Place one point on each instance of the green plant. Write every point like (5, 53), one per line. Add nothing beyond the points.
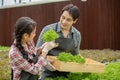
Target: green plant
(4, 48)
(50, 35)
(105, 55)
(68, 57)
(5, 67)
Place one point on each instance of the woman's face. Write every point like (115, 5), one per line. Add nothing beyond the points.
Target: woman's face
(29, 38)
(32, 35)
(66, 20)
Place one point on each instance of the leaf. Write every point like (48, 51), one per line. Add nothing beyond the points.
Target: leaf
(50, 35)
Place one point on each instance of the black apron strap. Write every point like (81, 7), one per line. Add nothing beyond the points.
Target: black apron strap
(56, 27)
(11, 74)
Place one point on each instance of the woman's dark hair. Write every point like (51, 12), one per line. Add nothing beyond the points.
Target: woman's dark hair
(23, 25)
(73, 11)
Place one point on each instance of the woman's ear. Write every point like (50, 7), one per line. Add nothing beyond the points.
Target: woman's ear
(25, 36)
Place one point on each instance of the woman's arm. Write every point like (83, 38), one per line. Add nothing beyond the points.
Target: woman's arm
(18, 61)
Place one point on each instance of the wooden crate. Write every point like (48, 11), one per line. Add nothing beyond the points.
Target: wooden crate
(90, 65)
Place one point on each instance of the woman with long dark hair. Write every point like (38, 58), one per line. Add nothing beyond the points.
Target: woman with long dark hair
(26, 60)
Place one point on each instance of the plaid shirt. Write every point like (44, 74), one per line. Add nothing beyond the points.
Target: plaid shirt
(19, 63)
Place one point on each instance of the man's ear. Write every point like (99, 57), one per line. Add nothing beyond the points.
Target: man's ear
(75, 21)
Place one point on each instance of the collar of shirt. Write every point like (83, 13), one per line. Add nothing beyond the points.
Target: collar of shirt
(31, 48)
(59, 29)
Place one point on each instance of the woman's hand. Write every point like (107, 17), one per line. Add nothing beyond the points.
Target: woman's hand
(43, 50)
(48, 46)
(39, 51)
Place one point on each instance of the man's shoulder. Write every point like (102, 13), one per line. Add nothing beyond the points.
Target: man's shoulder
(51, 26)
(76, 31)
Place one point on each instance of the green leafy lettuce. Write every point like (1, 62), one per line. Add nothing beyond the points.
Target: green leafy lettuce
(50, 35)
(68, 57)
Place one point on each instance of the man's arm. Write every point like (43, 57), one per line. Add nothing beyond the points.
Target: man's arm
(77, 50)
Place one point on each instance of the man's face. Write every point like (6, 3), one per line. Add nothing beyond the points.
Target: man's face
(66, 20)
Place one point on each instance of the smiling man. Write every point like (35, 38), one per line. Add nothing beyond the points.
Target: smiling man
(69, 37)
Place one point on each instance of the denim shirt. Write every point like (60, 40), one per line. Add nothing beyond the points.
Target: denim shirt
(74, 34)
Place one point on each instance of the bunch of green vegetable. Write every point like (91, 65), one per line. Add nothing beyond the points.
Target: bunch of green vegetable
(50, 35)
(68, 57)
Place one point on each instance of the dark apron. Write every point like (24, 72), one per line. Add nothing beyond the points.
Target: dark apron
(65, 45)
(28, 76)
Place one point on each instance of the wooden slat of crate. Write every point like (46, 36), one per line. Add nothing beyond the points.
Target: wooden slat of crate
(90, 65)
